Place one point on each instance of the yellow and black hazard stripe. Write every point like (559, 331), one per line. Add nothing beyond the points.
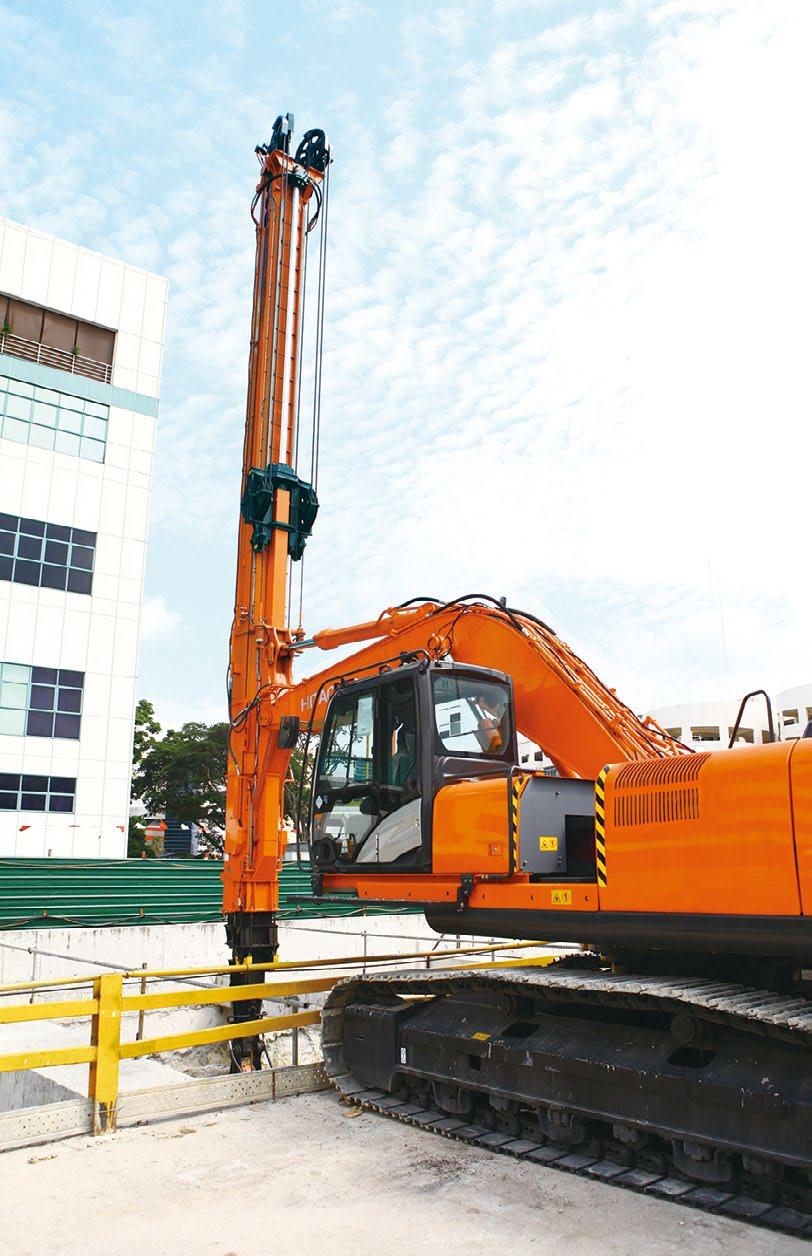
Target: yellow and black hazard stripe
(600, 824)
(517, 785)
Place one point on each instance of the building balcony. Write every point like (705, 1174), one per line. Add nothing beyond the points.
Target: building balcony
(62, 359)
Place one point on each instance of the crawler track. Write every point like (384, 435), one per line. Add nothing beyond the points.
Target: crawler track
(750, 1019)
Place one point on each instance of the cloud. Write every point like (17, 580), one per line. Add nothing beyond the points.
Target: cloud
(157, 621)
(567, 324)
(172, 713)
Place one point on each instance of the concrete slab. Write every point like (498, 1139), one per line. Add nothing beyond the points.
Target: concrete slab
(303, 1174)
(28, 954)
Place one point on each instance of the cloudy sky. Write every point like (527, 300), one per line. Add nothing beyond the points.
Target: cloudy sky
(568, 327)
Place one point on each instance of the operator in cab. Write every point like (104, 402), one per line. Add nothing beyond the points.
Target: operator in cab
(493, 726)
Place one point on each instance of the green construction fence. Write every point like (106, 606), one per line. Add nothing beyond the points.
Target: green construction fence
(88, 893)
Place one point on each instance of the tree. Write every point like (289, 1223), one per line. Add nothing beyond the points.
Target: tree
(295, 768)
(147, 729)
(137, 845)
(183, 775)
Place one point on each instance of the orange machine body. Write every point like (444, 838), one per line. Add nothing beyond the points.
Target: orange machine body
(470, 823)
(710, 833)
(725, 834)
(800, 786)
(707, 852)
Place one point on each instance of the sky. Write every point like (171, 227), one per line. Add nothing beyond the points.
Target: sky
(567, 332)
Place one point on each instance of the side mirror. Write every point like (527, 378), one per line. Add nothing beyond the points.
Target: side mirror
(288, 732)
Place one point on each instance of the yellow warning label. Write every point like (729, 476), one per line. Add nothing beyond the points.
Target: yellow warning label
(548, 843)
(561, 898)
(480, 1037)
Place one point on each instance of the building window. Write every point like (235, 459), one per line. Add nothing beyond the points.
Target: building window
(790, 717)
(40, 701)
(35, 334)
(525, 758)
(32, 415)
(37, 793)
(676, 733)
(744, 734)
(47, 555)
(705, 732)
(538, 756)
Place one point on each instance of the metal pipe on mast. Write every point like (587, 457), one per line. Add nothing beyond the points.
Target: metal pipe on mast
(278, 510)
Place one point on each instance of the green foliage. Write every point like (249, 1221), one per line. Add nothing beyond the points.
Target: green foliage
(183, 775)
(146, 731)
(137, 845)
(292, 784)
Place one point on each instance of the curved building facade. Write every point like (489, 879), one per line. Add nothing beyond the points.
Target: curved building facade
(709, 725)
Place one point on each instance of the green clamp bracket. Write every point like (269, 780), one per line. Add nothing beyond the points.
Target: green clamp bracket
(258, 507)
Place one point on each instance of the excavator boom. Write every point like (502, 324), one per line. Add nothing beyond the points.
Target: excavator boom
(560, 703)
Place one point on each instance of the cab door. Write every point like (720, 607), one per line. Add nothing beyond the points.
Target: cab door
(366, 794)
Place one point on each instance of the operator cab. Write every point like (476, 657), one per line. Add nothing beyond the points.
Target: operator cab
(388, 744)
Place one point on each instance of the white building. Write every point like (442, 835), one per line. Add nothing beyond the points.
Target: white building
(793, 711)
(81, 344)
(709, 725)
(531, 757)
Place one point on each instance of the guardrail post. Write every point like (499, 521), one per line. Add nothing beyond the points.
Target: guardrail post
(34, 967)
(294, 1046)
(140, 1033)
(105, 1036)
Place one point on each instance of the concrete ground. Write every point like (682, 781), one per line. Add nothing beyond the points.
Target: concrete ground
(304, 1175)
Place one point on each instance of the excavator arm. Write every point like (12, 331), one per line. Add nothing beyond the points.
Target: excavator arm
(560, 704)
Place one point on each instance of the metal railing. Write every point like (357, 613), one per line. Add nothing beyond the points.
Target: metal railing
(109, 1002)
(62, 359)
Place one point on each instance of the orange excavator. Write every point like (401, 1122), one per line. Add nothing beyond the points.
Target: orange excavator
(670, 1053)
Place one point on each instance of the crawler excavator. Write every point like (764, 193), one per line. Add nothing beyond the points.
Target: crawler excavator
(671, 1052)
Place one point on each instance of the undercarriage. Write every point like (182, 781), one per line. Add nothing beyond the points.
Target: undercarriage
(694, 1088)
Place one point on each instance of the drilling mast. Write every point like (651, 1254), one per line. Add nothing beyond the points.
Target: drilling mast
(278, 509)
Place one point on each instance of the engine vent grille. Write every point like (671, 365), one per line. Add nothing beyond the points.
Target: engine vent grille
(664, 791)
(677, 770)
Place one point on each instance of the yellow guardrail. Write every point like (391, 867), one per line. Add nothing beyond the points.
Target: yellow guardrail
(109, 1002)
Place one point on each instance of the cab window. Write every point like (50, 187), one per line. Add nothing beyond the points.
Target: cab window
(367, 795)
(472, 717)
(349, 751)
(345, 798)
